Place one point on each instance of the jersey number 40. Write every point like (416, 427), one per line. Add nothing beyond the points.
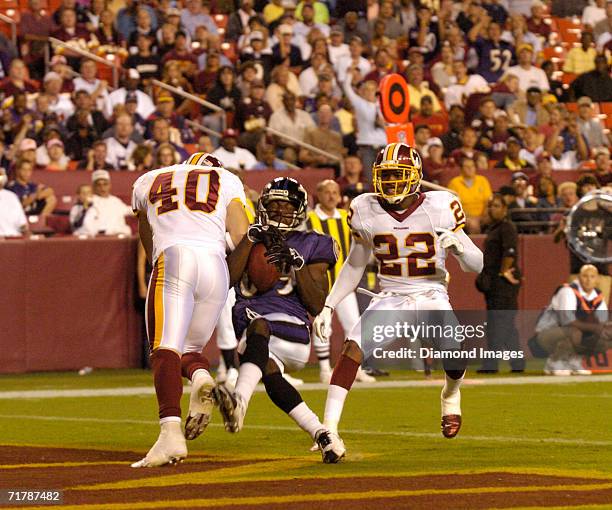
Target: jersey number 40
(163, 190)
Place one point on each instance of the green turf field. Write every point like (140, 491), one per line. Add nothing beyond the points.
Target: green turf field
(563, 426)
(526, 442)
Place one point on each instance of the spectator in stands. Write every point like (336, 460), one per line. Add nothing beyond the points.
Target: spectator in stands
(302, 28)
(585, 184)
(581, 59)
(536, 24)
(469, 138)
(282, 81)
(58, 161)
(258, 54)
(96, 88)
(594, 13)
(474, 191)
(465, 85)
(69, 30)
(595, 84)
(82, 136)
(144, 26)
(144, 104)
(142, 159)
(556, 86)
(96, 158)
(252, 116)
(530, 111)
(95, 118)
(268, 160)
(182, 56)
(532, 146)
(162, 133)
(59, 104)
(284, 52)
(512, 160)
(602, 31)
(422, 134)
(292, 121)
(442, 71)
(452, 138)
(126, 18)
(603, 169)
(371, 135)
(106, 33)
(120, 146)
(436, 122)
(418, 87)
(194, 16)
(506, 91)
(166, 39)
(546, 193)
(34, 24)
(79, 209)
(147, 63)
(494, 55)
(166, 155)
(107, 213)
(36, 199)
(484, 120)
(233, 156)
(527, 74)
(225, 94)
(273, 11)
(352, 174)
(13, 221)
(435, 164)
(574, 324)
(237, 21)
(52, 131)
(323, 137)
(383, 65)
(573, 149)
(337, 47)
(378, 39)
(309, 77)
(517, 33)
(568, 194)
(590, 126)
(523, 199)
(354, 60)
(320, 9)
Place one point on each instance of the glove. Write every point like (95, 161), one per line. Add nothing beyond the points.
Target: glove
(284, 258)
(266, 234)
(449, 241)
(322, 324)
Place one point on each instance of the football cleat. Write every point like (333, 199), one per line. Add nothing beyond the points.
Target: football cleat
(363, 377)
(232, 408)
(169, 449)
(331, 446)
(575, 364)
(558, 367)
(201, 404)
(451, 424)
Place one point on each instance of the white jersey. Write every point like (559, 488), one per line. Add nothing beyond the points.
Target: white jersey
(405, 244)
(187, 204)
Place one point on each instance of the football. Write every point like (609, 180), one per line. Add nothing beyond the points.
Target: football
(261, 273)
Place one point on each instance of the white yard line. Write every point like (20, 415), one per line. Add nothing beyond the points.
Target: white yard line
(149, 390)
(426, 435)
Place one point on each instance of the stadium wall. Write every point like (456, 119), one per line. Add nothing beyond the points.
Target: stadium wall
(68, 303)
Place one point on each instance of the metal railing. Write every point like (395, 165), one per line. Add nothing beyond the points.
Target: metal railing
(89, 55)
(13, 24)
(212, 132)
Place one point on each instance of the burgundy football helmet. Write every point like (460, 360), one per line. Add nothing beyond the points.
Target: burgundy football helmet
(397, 172)
(203, 159)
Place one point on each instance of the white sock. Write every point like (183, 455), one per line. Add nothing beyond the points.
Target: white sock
(451, 396)
(306, 419)
(249, 375)
(324, 365)
(336, 395)
(200, 372)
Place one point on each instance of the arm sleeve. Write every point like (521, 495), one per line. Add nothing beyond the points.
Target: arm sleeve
(472, 258)
(350, 274)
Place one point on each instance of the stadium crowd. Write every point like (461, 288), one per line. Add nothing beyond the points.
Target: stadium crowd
(517, 87)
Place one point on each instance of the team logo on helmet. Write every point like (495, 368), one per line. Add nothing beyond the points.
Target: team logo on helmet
(397, 172)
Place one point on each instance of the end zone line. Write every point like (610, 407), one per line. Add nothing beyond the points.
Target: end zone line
(283, 428)
(149, 390)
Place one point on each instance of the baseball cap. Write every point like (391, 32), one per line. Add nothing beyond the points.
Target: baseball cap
(585, 101)
(53, 142)
(230, 133)
(336, 30)
(519, 175)
(164, 98)
(534, 89)
(130, 97)
(256, 35)
(27, 144)
(100, 174)
(51, 75)
(514, 139)
(435, 142)
(524, 46)
(133, 74)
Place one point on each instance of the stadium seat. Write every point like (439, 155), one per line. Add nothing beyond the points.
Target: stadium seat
(568, 78)
(606, 108)
(569, 29)
(59, 223)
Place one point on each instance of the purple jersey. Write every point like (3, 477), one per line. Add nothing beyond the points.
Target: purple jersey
(283, 297)
(493, 59)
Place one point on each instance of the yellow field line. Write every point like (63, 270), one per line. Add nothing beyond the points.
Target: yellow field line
(336, 496)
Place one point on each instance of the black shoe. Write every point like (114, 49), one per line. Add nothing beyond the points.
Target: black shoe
(486, 371)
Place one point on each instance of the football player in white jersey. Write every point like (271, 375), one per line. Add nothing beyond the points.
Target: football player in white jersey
(184, 212)
(409, 232)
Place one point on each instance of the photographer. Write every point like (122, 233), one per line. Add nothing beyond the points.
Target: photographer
(574, 324)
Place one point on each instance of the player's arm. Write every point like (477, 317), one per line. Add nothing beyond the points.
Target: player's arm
(312, 286)
(472, 258)
(237, 225)
(146, 234)
(351, 273)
